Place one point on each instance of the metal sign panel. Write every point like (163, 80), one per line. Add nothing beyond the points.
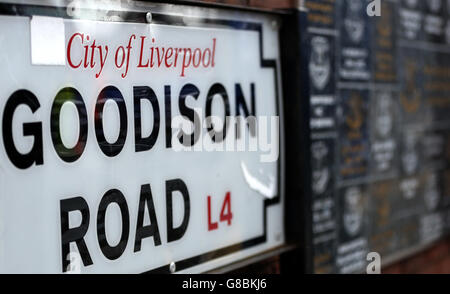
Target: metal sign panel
(101, 171)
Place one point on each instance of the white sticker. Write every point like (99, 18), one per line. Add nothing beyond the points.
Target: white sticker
(269, 191)
(47, 41)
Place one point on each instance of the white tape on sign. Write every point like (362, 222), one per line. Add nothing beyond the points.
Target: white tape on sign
(47, 41)
(269, 191)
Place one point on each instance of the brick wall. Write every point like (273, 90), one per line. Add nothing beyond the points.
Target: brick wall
(265, 4)
(268, 266)
(435, 260)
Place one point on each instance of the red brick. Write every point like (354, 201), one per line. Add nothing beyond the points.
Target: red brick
(266, 4)
(415, 264)
(276, 4)
(394, 269)
(446, 266)
(438, 252)
(435, 260)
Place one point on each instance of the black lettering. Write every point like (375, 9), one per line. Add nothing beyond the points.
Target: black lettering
(217, 89)
(113, 252)
(35, 155)
(241, 104)
(168, 108)
(110, 93)
(69, 235)
(141, 93)
(174, 234)
(69, 95)
(190, 114)
(152, 229)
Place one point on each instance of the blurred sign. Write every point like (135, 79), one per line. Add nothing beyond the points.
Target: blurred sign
(108, 163)
(387, 185)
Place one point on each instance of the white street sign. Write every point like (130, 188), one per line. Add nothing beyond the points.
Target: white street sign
(93, 175)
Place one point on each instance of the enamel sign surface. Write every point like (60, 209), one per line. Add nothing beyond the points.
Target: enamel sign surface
(107, 161)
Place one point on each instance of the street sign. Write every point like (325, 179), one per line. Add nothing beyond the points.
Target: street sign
(108, 162)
